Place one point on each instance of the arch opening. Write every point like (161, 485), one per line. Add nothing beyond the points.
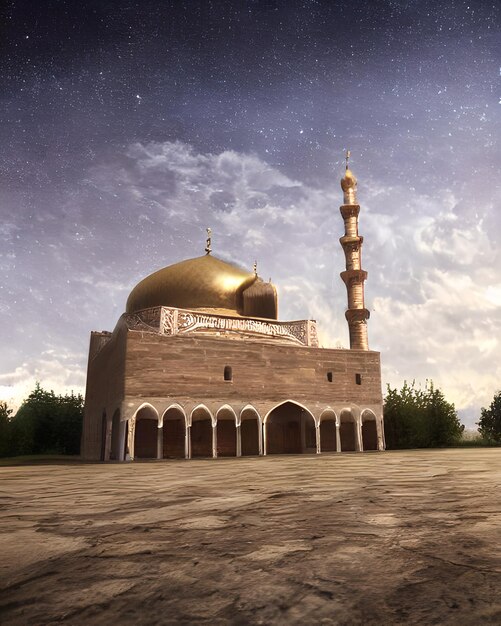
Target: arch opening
(174, 433)
(226, 432)
(201, 432)
(369, 431)
(347, 432)
(328, 439)
(146, 433)
(290, 429)
(249, 432)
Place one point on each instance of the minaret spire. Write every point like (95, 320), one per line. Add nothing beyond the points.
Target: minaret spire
(208, 243)
(354, 276)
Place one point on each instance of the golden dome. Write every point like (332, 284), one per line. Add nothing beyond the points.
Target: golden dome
(202, 283)
(349, 187)
(260, 300)
(348, 181)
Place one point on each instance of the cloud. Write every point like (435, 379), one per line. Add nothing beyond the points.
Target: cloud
(55, 370)
(434, 286)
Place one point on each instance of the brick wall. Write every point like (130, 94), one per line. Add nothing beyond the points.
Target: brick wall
(194, 367)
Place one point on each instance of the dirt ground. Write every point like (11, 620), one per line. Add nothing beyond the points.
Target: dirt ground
(378, 538)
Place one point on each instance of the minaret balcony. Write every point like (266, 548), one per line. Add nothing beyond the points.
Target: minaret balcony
(354, 316)
(349, 210)
(348, 240)
(352, 277)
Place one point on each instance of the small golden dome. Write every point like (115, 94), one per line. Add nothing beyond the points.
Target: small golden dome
(205, 282)
(260, 300)
(348, 181)
(349, 187)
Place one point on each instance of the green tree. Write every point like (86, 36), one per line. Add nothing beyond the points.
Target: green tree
(444, 427)
(69, 425)
(489, 425)
(47, 424)
(419, 418)
(402, 416)
(5, 430)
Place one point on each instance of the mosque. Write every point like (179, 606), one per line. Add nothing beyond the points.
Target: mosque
(200, 366)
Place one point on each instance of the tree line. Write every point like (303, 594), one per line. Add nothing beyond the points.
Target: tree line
(414, 417)
(45, 423)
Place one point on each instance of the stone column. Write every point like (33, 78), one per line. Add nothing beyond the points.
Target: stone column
(121, 440)
(187, 443)
(214, 441)
(160, 443)
(317, 438)
(380, 435)
(338, 437)
(358, 431)
(131, 437)
(239, 440)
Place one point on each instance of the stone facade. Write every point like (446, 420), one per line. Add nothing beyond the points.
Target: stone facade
(218, 397)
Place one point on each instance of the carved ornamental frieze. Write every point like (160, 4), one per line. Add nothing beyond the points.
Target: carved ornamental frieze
(147, 320)
(172, 321)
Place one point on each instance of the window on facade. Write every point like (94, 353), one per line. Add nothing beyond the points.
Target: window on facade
(358, 379)
(228, 373)
(329, 376)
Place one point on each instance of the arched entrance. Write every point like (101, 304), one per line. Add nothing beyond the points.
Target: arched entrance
(249, 431)
(226, 432)
(328, 439)
(174, 433)
(347, 432)
(146, 433)
(290, 429)
(369, 430)
(115, 437)
(201, 432)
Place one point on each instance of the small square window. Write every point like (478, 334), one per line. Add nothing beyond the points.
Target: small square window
(228, 372)
(329, 376)
(358, 379)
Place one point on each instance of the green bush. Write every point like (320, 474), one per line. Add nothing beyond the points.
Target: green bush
(44, 424)
(489, 425)
(420, 418)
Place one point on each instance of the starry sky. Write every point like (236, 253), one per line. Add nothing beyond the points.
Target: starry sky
(128, 127)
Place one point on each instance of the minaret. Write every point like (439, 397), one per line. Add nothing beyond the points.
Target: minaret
(354, 276)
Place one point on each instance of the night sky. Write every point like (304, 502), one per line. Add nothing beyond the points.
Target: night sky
(129, 127)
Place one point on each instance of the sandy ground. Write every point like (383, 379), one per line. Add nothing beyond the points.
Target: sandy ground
(375, 538)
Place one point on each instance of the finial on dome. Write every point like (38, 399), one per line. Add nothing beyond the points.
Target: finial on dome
(254, 267)
(208, 244)
(349, 183)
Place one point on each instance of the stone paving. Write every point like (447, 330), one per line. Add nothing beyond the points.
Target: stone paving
(409, 537)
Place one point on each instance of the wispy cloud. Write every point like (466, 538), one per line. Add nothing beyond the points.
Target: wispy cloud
(434, 286)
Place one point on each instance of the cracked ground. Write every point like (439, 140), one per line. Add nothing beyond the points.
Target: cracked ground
(410, 537)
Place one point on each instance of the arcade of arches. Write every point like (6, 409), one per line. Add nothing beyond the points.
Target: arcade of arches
(288, 428)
